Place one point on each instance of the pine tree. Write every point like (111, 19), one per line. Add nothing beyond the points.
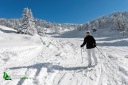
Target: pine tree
(28, 24)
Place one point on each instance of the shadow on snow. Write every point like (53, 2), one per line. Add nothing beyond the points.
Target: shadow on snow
(7, 31)
(50, 67)
(117, 43)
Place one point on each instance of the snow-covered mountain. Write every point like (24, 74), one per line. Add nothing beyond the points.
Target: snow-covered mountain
(114, 22)
(16, 23)
(117, 21)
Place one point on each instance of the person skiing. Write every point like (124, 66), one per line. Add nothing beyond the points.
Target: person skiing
(90, 46)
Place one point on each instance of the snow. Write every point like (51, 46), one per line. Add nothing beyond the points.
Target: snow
(57, 60)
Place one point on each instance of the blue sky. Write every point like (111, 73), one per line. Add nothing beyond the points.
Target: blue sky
(62, 11)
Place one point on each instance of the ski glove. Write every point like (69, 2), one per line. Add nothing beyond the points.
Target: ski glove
(94, 45)
(81, 46)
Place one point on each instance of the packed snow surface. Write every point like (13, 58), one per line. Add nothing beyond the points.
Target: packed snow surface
(57, 59)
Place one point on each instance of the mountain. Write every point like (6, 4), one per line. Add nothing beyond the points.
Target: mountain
(114, 22)
(117, 21)
(16, 23)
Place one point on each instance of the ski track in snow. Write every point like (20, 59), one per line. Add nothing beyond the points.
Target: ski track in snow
(58, 61)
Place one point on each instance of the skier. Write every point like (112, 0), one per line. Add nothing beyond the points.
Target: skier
(90, 46)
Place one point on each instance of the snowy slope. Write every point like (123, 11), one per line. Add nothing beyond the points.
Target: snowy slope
(58, 61)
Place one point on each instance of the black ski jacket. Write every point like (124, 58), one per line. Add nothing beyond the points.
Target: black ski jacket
(89, 41)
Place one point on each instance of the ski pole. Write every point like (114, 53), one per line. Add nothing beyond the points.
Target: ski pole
(83, 49)
(81, 55)
(101, 52)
